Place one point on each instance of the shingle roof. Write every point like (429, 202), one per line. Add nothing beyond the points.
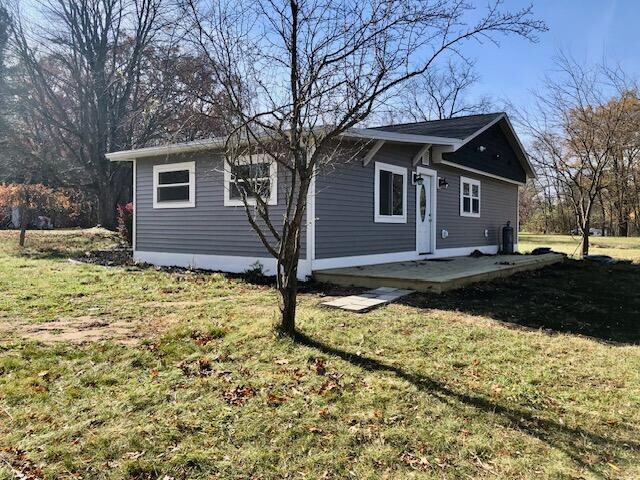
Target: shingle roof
(458, 127)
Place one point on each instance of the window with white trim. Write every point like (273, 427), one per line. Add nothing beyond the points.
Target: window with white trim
(250, 175)
(469, 197)
(174, 185)
(390, 193)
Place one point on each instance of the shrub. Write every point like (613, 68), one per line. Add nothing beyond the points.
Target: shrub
(125, 222)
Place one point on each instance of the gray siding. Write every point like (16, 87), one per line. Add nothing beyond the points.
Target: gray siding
(209, 228)
(345, 209)
(498, 203)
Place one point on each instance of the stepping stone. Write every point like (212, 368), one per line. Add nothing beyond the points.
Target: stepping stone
(368, 300)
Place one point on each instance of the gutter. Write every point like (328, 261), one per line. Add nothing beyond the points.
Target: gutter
(215, 143)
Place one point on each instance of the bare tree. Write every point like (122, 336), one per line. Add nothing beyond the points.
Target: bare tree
(83, 65)
(5, 21)
(575, 131)
(310, 71)
(442, 93)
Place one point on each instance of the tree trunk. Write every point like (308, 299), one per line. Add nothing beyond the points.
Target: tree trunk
(288, 278)
(288, 288)
(106, 207)
(24, 223)
(585, 237)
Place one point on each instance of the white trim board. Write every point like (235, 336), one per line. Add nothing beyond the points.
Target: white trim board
(479, 172)
(360, 260)
(222, 263)
(135, 206)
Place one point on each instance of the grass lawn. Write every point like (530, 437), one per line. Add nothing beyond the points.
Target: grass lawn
(627, 248)
(184, 378)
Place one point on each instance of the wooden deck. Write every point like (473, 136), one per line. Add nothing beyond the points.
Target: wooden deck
(436, 275)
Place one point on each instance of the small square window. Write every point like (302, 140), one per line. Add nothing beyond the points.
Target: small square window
(251, 175)
(174, 185)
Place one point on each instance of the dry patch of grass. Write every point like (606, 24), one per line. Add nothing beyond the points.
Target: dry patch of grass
(414, 390)
(624, 248)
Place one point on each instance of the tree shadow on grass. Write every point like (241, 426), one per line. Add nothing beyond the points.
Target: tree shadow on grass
(577, 297)
(581, 445)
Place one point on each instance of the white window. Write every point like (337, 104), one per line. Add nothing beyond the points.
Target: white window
(174, 185)
(390, 194)
(251, 174)
(469, 197)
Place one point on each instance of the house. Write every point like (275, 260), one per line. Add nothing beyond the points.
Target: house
(416, 191)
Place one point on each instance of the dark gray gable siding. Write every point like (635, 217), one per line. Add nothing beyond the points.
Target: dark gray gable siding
(210, 228)
(345, 208)
(496, 142)
(498, 204)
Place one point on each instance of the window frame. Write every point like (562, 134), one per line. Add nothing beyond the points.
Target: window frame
(251, 159)
(398, 170)
(174, 167)
(471, 182)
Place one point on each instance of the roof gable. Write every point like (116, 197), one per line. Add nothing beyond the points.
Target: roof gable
(493, 152)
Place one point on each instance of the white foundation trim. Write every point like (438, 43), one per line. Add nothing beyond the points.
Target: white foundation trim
(359, 260)
(222, 263)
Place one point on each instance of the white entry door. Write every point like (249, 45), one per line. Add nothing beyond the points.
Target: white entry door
(424, 210)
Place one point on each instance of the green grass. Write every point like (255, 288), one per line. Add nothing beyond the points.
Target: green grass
(626, 248)
(436, 387)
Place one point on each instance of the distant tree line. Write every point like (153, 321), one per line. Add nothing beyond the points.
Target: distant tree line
(584, 137)
(81, 78)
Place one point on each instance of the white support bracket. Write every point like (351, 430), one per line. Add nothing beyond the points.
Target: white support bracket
(371, 153)
(418, 158)
(438, 150)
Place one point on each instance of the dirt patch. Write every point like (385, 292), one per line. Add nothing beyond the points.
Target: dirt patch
(81, 330)
(114, 257)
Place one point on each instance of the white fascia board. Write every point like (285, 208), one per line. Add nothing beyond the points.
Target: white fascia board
(371, 134)
(171, 149)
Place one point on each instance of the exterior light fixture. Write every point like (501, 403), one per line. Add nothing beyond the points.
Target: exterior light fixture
(482, 148)
(417, 179)
(442, 183)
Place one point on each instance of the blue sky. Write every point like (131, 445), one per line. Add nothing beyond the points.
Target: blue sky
(588, 30)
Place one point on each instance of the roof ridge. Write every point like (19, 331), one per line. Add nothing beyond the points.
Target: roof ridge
(440, 119)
